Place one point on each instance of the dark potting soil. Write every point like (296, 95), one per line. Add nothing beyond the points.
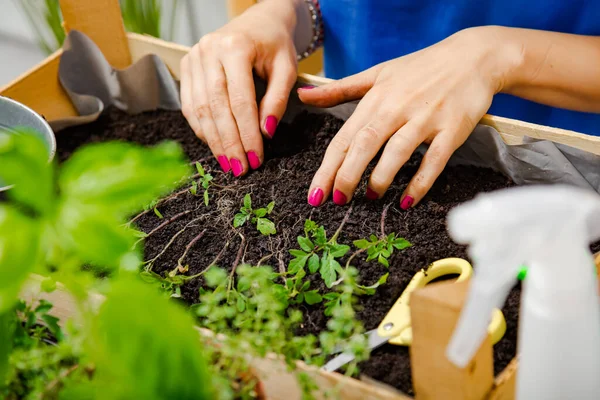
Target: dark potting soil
(292, 158)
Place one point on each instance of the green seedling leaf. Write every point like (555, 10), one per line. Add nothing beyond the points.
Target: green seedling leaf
(261, 212)
(150, 277)
(297, 264)
(401, 244)
(241, 304)
(370, 290)
(361, 244)
(313, 263)
(339, 250)
(240, 219)
(305, 243)
(200, 169)
(52, 323)
(270, 207)
(297, 253)
(158, 213)
(215, 277)
(43, 307)
(206, 198)
(265, 226)
(312, 297)
(383, 261)
(328, 272)
(247, 201)
(194, 188)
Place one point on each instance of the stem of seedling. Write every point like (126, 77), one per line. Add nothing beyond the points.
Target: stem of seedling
(238, 257)
(383, 215)
(265, 258)
(339, 230)
(167, 222)
(180, 266)
(148, 264)
(161, 202)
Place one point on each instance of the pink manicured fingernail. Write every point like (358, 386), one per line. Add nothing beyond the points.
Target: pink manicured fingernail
(236, 167)
(307, 87)
(224, 163)
(371, 194)
(270, 125)
(253, 160)
(316, 197)
(339, 198)
(406, 202)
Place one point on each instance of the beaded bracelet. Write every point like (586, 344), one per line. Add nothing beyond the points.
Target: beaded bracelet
(317, 28)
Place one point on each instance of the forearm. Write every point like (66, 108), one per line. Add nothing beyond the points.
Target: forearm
(556, 69)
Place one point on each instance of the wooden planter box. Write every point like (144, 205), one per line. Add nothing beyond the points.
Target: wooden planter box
(435, 309)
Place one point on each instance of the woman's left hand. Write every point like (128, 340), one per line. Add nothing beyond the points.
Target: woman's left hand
(435, 96)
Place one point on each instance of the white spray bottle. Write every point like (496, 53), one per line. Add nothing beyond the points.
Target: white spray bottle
(547, 228)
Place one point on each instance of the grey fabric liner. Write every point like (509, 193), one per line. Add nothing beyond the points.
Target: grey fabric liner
(93, 84)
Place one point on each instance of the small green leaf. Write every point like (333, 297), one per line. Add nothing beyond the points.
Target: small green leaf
(331, 296)
(305, 243)
(247, 201)
(328, 272)
(401, 244)
(239, 219)
(149, 277)
(312, 297)
(305, 286)
(385, 253)
(297, 253)
(241, 304)
(309, 226)
(138, 234)
(243, 285)
(194, 188)
(300, 298)
(215, 277)
(340, 250)
(261, 212)
(361, 244)
(158, 214)
(383, 261)
(373, 238)
(200, 169)
(53, 326)
(297, 264)
(313, 263)
(270, 207)
(206, 198)
(43, 307)
(265, 226)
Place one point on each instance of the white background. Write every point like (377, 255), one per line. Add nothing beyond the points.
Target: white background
(19, 50)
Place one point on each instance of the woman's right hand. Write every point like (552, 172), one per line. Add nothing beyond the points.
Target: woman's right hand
(217, 86)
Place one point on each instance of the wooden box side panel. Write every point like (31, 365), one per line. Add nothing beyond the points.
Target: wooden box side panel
(277, 381)
(40, 90)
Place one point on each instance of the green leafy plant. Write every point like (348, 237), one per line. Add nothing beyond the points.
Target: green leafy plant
(318, 253)
(57, 220)
(141, 354)
(381, 249)
(257, 217)
(298, 290)
(139, 16)
(205, 181)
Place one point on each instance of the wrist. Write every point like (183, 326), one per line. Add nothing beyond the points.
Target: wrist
(284, 11)
(499, 55)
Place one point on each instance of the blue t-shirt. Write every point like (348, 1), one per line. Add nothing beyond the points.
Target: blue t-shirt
(363, 33)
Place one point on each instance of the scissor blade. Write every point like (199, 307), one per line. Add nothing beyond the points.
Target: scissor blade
(374, 341)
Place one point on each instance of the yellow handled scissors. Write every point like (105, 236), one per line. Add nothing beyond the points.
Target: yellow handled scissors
(395, 327)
